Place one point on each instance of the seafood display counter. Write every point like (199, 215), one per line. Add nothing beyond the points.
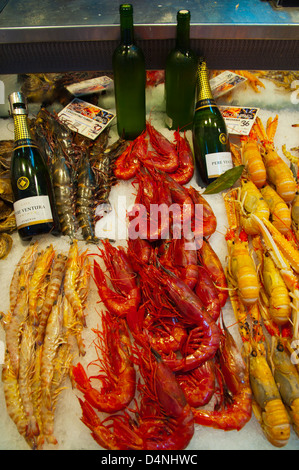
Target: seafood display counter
(272, 93)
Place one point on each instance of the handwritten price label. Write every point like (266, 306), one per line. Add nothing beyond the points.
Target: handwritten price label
(239, 120)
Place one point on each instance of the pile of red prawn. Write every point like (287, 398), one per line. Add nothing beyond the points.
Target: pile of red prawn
(153, 149)
(162, 300)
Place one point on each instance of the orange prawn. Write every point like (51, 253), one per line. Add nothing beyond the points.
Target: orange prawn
(253, 161)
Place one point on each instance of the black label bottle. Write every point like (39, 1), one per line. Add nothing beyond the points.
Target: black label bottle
(210, 139)
(31, 184)
(129, 79)
(180, 77)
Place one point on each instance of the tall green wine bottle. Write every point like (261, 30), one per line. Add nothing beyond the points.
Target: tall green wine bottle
(129, 79)
(180, 77)
(210, 139)
(31, 184)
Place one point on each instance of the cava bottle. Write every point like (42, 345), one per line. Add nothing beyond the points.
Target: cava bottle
(210, 138)
(31, 184)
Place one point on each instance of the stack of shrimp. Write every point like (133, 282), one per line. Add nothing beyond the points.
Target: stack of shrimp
(162, 299)
(43, 327)
(81, 172)
(264, 288)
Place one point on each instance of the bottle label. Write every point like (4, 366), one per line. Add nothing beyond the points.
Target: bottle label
(205, 103)
(218, 163)
(33, 210)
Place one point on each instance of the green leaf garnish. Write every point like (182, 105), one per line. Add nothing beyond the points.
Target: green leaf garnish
(225, 181)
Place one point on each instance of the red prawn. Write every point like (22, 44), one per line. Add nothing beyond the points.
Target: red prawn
(208, 293)
(126, 296)
(237, 408)
(191, 309)
(185, 170)
(180, 259)
(165, 157)
(209, 221)
(163, 421)
(127, 164)
(208, 258)
(118, 377)
(198, 384)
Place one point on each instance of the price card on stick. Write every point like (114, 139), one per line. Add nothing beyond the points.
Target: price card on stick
(85, 118)
(239, 120)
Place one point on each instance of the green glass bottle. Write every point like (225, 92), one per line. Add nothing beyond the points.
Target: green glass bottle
(129, 79)
(210, 138)
(180, 77)
(31, 184)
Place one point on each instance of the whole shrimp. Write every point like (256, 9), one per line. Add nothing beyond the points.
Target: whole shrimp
(49, 351)
(208, 294)
(163, 421)
(27, 357)
(178, 257)
(13, 401)
(165, 157)
(85, 200)
(64, 191)
(279, 210)
(192, 310)
(278, 172)
(268, 406)
(198, 384)
(153, 198)
(185, 169)
(13, 324)
(53, 287)
(118, 376)
(237, 412)
(241, 267)
(253, 161)
(287, 379)
(126, 297)
(41, 268)
(127, 164)
(251, 202)
(209, 221)
(209, 259)
(72, 271)
(277, 292)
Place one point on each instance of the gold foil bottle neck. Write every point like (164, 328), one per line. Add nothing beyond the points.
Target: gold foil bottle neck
(203, 84)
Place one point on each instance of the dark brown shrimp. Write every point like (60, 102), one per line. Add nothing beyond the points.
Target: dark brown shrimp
(85, 206)
(64, 194)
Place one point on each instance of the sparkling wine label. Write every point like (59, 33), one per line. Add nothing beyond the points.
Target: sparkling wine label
(33, 210)
(218, 163)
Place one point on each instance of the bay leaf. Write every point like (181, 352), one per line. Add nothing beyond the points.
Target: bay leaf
(225, 181)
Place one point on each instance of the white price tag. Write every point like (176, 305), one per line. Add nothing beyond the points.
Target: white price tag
(239, 120)
(85, 118)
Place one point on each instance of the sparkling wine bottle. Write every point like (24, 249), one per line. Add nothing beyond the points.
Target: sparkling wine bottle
(180, 77)
(129, 79)
(210, 138)
(31, 184)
